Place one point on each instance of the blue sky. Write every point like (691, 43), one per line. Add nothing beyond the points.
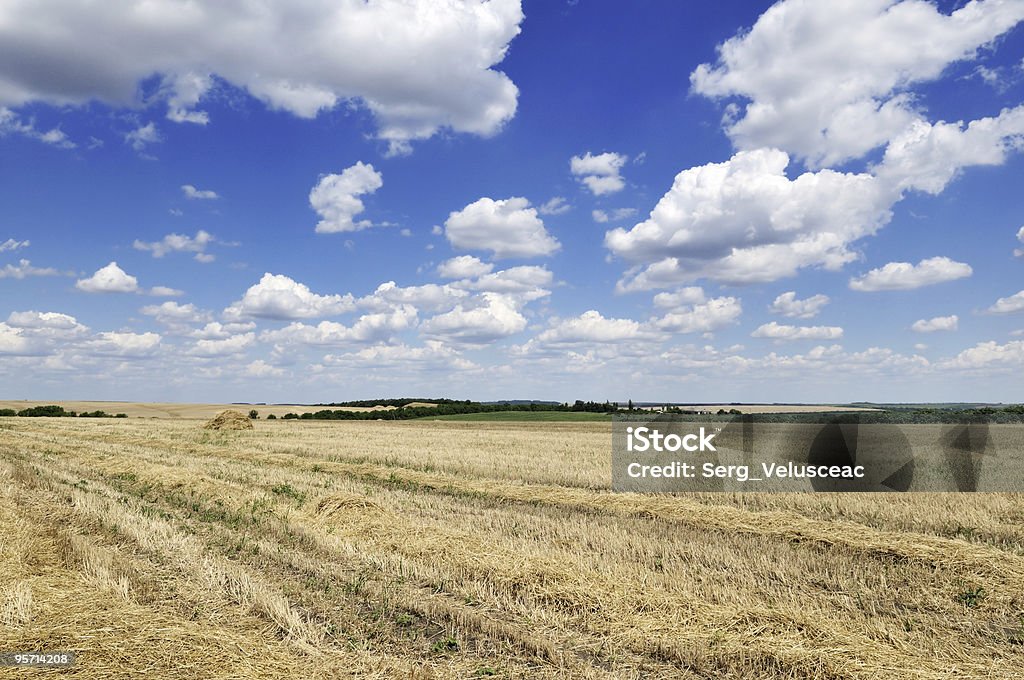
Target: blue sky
(327, 200)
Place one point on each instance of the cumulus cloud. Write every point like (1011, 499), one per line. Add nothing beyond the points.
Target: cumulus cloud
(278, 297)
(195, 194)
(13, 341)
(11, 123)
(554, 206)
(907, 276)
(335, 198)
(179, 243)
(109, 279)
(702, 317)
(220, 331)
(165, 291)
(508, 228)
(418, 66)
(816, 83)
(183, 91)
(494, 317)
(745, 221)
(429, 297)
(434, 355)
(25, 269)
(1019, 252)
(938, 323)
(124, 344)
(225, 347)
(11, 244)
(142, 136)
(261, 369)
(788, 305)
(34, 333)
(591, 327)
(600, 173)
(1008, 305)
(605, 216)
(375, 327)
(684, 296)
(523, 284)
(463, 267)
(44, 320)
(175, 314)
(777, 331)
(926, 157)
(989, 354)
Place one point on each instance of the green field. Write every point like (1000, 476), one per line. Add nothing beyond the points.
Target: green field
(533, 416)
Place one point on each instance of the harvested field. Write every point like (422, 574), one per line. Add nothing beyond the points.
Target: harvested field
(469, 549)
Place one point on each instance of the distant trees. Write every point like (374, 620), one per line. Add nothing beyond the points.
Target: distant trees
(271, 417)
(45, 412)
(254, 414)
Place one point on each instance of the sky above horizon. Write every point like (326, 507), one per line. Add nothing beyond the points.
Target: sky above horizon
(313, 201)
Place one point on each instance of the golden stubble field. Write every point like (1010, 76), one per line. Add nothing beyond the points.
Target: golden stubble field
(156, 549)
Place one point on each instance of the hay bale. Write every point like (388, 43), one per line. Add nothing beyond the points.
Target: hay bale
(339, 503)
(229, 420)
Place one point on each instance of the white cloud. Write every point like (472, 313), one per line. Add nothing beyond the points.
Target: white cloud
(702, 317)
(13, 341)
(195, 194)
(605, 216)
(261, 369)
(375, 327)
(508, 228)
(278, 297)
(523, 284)
(463, 267)
(431, 297)
(554, 206)
(165, 291)
(829, 82)
(124, 345)
(600, 173)
(989, 355)
(142, 136)
(591, 327)
(690, 295)
(1019, 252)
(432, 356)
(777, 331)
(744, 220)
(1008, 305)
(226, 347)
(173, 313)
(334, 198)
(179, 243)
(494, 318)
(109, 279)
(25, 269)
(928, 156)
(939, 323)
(10, 123)
(220, 331)
(183, 92)
(11, 244)
(44, 320)
(417, 65)
(35, 333)
(907, 276)
(788, 305)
